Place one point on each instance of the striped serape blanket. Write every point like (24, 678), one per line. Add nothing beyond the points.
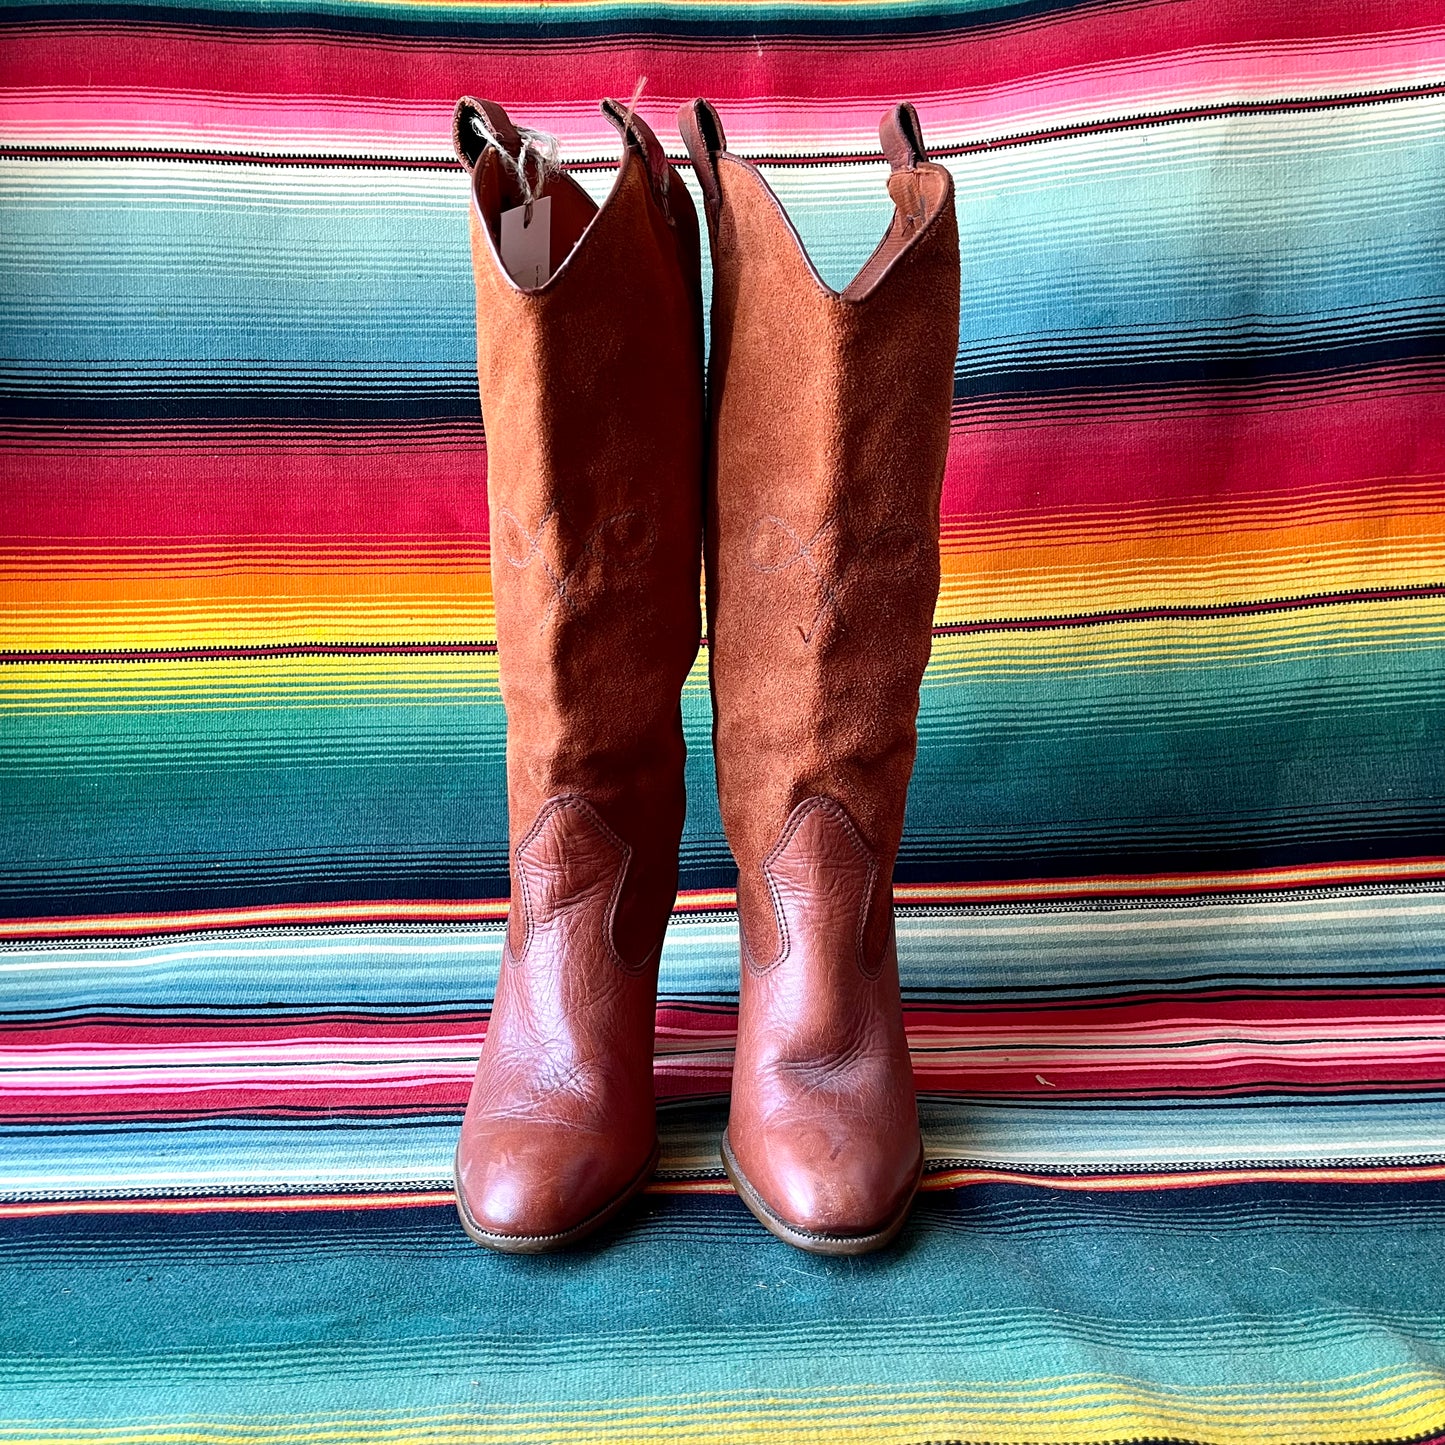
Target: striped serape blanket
(1172, 896)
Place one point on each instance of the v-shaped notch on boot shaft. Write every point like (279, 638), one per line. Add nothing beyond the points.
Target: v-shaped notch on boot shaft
(512, 168)
(921, 191)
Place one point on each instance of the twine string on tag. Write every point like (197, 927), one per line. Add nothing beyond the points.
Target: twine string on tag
(632, 104)
(538, 144)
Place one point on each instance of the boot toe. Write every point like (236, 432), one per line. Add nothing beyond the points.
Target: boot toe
(541, 1184)
(851, 1191)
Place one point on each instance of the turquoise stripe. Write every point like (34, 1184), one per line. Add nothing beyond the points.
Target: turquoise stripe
(1266, 232)
(264, 1156)
(281, 1321)
(1019, 955)
(1294, 747)
(1196, 753)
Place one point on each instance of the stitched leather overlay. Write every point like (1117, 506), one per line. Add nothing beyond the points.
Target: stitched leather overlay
(823, 1122)
(578, 565)
(827, 553)
(570, 869)
(820, 875)
(561, 1117)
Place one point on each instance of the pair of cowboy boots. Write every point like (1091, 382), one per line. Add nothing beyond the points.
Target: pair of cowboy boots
(811, 482)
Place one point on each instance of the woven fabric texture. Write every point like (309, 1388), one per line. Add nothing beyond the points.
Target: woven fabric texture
(1172, 890)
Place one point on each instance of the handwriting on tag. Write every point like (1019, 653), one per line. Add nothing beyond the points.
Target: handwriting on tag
(527, 248)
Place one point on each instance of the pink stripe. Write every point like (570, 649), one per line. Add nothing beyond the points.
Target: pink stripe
(1152, 1048)
(120, 117)
(555, 72)
(226, 88)
(681, 1026)
(122, 1068)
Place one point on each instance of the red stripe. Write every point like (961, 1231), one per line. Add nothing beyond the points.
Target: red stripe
(358, 487)
(288, 63)
(959, 1023)
(1199, 450)
(350, 490)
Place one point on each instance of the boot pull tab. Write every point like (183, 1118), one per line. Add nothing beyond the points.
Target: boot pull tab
(479, 123)
(902, 137)
(702, 134)
(640, 138)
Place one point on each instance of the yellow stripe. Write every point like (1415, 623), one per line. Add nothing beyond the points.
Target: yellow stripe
(1256, 638)
(1384, 1404)
(227, 684)
(472, 677)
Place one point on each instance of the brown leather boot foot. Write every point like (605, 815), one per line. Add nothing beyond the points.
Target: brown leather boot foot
(561, 1128)
(823, 1141)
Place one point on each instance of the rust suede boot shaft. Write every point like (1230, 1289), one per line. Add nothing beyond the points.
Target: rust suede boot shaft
(829, 415)
(591, 394)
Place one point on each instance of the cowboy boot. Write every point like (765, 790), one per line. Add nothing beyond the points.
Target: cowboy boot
(829, 416)
(591, 392)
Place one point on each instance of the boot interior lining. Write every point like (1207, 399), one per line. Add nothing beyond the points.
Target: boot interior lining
(918, 196)
(572, 208)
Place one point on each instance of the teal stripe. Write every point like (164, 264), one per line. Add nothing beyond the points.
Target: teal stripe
(287, 1326)
(1294, 747)
(246, 1155)
(1259, 233)
(1018, 954)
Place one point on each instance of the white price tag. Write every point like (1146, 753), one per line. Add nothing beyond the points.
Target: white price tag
(527, 247)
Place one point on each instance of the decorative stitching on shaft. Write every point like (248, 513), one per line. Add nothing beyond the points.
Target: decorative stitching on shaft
(803, 810)
(576, 803)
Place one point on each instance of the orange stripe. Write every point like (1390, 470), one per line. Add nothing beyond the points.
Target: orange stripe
(708, 900)
(1121, 885)
(1417, 494)
(1189, 1179)
(224, 1204)
(933, 1182)
(1204, 562)
(249, 582)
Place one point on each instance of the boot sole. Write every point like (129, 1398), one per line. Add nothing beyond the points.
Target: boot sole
(806, 1239)
(542, 1243)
